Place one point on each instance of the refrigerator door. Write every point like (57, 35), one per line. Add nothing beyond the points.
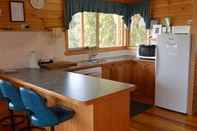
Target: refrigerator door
(172, 72)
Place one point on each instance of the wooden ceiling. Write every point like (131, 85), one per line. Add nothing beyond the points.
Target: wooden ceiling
(126, 1)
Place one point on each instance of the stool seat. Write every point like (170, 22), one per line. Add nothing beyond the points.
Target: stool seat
(41, 115)
(62, 114)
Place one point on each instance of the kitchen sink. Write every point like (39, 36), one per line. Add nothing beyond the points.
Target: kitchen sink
(96, 71)
(93, 61)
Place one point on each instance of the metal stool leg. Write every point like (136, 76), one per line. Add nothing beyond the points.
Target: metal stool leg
(7, 122)
(12, 120)
(28, 122)
(29, 126)
(52, 128)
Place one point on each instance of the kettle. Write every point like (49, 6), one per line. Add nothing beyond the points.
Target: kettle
(33, 60)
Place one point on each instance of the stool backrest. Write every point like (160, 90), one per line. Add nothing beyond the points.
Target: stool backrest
(37, 106)
(1, 95)
(12, 94)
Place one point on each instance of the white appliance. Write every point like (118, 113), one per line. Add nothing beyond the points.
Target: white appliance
(146, 51)
(181, 29)
(33, 60)
(172, 71)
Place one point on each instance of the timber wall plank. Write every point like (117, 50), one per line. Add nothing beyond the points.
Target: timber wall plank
(52, 14)
(179, 10)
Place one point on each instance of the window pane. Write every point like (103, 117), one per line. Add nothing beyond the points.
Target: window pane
(74, 33)
(89, 29)
(138, 31)
(109, 33)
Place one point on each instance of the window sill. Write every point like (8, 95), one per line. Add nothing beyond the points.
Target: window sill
(86, 51)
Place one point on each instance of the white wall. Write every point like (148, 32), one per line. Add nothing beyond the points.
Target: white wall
(15, 48)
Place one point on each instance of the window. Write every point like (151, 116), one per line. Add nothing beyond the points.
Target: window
(138, 32)
(110, 30)
(96, 30)
(89, 26)
(75, 32)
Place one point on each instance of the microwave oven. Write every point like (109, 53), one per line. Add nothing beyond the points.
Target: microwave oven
(146, 51)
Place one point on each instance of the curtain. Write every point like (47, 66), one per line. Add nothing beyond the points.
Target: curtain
(143, 9)
(126, 11)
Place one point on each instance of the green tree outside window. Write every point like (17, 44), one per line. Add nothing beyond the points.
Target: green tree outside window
(137, 31)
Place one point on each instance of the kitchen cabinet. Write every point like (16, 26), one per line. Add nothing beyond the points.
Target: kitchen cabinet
(118, 71)
(138, 72)
(145, 82)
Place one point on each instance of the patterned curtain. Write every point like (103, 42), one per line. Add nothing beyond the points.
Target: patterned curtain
(126, 11)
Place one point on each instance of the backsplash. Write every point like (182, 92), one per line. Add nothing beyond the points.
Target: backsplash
(15, 48)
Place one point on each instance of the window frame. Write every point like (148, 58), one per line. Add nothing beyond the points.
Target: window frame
(84, 50)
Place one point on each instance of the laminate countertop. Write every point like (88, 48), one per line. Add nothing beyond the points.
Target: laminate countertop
(67, 85)
(106, 60)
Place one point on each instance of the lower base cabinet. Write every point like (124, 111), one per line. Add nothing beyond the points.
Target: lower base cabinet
(138, 72)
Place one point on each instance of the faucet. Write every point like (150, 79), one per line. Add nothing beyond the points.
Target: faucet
(92, 53)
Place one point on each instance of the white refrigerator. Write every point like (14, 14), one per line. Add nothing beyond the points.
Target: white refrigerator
(172, 71)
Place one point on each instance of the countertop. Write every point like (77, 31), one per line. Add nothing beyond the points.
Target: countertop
(105, 60)
(79, 88)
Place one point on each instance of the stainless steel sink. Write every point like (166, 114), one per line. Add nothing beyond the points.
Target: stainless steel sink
(93, 61)
(96, 71)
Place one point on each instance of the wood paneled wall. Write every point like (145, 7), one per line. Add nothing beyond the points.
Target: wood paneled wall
(192, 108)
(50, 16)
(179, 10)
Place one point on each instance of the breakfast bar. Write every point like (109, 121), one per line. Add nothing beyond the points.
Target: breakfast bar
(100, 105)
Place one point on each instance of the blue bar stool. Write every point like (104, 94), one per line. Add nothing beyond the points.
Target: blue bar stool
(4, 121)
(41, 114)
(14, 105)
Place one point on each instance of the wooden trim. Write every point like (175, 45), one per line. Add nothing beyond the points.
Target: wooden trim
(66, 40)
(85, 51)
(79, 51)
(97, 30)
(127, 32)
(82, 37)
(192, 97)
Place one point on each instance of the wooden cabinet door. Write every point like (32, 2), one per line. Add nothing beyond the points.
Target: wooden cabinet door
(140, 80)
(132, 71)
(140, 73)
(106, 71)
(149, 81)
(118, 71)
(145, 82)
(124, 72)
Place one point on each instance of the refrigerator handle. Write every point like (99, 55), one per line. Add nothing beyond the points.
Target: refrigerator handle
(157, 62)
